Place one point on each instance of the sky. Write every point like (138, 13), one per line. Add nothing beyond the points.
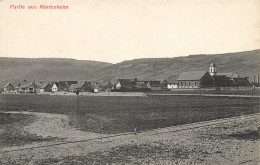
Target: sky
(118, 30)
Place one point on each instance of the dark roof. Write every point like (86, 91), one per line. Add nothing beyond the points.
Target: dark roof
(108, 85)
(230, 75)
(45, 84)
(212, 65)
(38, 83)
(71, 82)
(155, 83)
(80, 84)
(192, 75)
(125, 82)
(73, 86)
(63, 85)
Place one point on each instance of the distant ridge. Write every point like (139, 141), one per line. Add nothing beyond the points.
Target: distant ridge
(17, 69)
(245, 63)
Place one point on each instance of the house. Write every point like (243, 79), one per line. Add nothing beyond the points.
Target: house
(108, 87)
(96, 88)
(55, 87)
(46, 87)
(195, 79)
(142, 86)
(82, 86)
(155, 84)
(124, 85)
(62, 85)
(9, 87)
(164, 84)
(26, 87)
(38, 85)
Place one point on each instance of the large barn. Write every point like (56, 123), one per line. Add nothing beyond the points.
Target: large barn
(195, 79)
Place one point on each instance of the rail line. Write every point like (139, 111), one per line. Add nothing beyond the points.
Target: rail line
(154, 131)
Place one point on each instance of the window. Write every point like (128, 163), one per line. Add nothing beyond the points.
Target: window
(189, 83)
(195, 83)
(30, 89)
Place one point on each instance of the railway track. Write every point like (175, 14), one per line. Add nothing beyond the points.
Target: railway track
(178, 128)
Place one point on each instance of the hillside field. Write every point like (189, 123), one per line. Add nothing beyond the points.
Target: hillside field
(122, 114)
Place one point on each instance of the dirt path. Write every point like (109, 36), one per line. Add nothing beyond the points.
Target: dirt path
(200, 138)
(55, 125)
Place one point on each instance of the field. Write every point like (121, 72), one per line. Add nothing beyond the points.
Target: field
(59, 121)
(122, 114)
(245, 91)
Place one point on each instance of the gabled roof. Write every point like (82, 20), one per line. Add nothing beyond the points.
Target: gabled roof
(45, 85)
(26, 85)
(192, 75)
(71, 82)
(80, 84)
(125, 82)
(38, 83)
(63, 85)
(73, 86)
(8, 84)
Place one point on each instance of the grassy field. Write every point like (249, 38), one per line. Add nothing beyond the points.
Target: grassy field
(123, 114)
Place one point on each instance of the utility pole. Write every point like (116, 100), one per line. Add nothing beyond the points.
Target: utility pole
(77, 93)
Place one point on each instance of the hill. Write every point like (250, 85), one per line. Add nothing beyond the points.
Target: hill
(244, 63)
(18, 69)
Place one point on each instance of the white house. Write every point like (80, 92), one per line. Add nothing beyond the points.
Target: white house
(172, 85)
(54, 87)
(9, 87)
(118, 85)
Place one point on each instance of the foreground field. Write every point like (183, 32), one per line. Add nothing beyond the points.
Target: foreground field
(222, 141)
(123, 114)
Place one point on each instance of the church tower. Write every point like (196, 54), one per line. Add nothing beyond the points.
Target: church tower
(212, 69)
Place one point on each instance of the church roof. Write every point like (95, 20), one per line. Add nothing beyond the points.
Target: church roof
(192, 75)
(212, 65)
(230, 75)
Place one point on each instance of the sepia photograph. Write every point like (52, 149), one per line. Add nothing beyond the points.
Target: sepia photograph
(122, 82)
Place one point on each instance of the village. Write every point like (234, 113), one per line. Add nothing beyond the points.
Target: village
(210, 79)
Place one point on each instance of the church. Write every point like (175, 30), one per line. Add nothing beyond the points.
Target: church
(210, 78)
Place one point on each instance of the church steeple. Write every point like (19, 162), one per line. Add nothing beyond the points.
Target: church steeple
(212, 69)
